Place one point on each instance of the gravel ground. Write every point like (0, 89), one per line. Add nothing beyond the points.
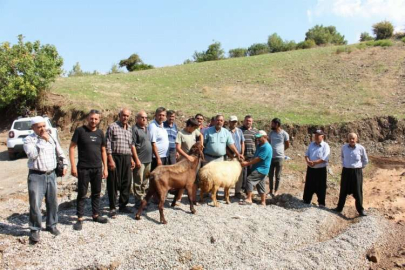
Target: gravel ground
(229, 237)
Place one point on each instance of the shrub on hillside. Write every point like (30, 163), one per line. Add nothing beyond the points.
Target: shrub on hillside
(134, 63)
(307, 44)
(325, 35)
(77, 71)
(214, 52)
(238, 52)
(115, 69)
(275, 43)
(26, 72)
(289, 45)
(399, 35)
(383, 30)
(258, 48)
(403, 39)
(344, 49)
(365, 37)
(188, 61)
(381, 43)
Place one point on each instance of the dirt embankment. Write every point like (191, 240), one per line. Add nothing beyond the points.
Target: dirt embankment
(370, 130)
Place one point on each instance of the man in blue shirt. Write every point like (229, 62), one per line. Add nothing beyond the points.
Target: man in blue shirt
(216, 139)
(261, 166)
(354, 159)
(239, 139)
(317, 157)
(172, 130)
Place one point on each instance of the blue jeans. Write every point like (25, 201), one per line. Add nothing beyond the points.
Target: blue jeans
(40, 185)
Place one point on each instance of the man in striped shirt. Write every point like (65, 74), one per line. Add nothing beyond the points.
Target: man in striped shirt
(42, 149)
(354, 159)
(171, 129)
(120, 163)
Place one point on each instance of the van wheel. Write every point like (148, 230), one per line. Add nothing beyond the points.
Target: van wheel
(11, 156)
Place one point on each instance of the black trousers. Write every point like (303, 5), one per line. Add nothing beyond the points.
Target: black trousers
(275, 168)
(86, 176)
(315, 182)
(165, 161)
(119, 180)
(246, 172)
(351, 183)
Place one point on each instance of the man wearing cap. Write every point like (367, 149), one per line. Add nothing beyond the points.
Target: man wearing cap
(260, 168)
(279, 140)
(42, 150)
(354, 159)
(316, 157)
(249, 133)
(92, 158)
(120, 162)
(216, 139)
(171, 129)
(239, 139)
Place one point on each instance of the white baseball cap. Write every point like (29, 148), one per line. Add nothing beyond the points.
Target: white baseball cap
(233, 118)
(260, 134)
(37, 119)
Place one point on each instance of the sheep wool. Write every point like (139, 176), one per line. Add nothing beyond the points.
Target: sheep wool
(214, 175)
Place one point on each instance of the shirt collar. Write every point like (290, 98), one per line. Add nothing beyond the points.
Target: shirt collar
(355, 145)
(121, 125)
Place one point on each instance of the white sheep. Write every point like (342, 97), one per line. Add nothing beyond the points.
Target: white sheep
(218, 174)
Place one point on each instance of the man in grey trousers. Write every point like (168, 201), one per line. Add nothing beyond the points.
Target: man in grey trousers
(42, 149)
(280, 141)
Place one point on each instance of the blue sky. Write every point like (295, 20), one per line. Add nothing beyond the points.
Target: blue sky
(99, 33)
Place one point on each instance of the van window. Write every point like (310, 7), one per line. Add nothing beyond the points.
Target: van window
(22, 125)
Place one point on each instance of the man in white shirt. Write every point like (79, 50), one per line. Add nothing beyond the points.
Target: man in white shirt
(159, 139)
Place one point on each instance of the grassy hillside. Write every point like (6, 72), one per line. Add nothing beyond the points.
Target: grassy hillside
(315, 86)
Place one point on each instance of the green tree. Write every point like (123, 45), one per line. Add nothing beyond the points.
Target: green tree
(289, 45)
(76, 70)
(258, 48)
(26, 72)
(365, 37)
(275, 43)
(214, 52)
(325, 35)
(383, 30)
(188, 61)
(238, 52)
(134, 63)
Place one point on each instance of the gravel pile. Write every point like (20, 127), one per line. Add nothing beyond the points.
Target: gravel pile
(228, 237)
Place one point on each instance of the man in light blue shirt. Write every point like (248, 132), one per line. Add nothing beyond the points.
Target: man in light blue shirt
(216, 139)
(354, 159)
(317, 157)
(159, 139)
(171, 129)
(239, 139)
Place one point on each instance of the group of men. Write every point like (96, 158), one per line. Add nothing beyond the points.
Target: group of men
(127, 154)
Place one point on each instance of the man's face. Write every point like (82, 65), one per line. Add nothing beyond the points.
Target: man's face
(200, 120)
(352, 140)
(274, 126)
(318, 138)
(171, 118)
(219, 122)
(232, 124)
(93, 120)
(160, 117)
(191, 129)
(39, 128)
(248, 122)
(142, 119)
(124, 116)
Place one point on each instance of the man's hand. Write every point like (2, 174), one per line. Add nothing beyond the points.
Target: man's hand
(240, 157)
(310, 163)
(111, 165)
(244, 163)
(138, 163)
(190, 158)
(64, 171)
(45, 136)
(177, 156)
(158, 162)
(105, 173)
(132, 164)
(73, 171)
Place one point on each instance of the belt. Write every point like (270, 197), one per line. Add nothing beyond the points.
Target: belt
(40, 172)
(212, 156)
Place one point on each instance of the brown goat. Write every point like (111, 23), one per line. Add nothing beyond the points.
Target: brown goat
(181, 175)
